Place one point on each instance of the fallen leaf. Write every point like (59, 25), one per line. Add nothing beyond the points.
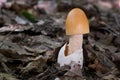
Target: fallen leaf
(99, 67)
(20, 21)
(2, 2)
(49, 6)
(4, 76)
(38, 63)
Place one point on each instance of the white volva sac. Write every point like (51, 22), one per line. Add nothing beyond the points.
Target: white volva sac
(77, 57)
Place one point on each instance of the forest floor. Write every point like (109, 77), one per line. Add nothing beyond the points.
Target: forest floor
(32, 32)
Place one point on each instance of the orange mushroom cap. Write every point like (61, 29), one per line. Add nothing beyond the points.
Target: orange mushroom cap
(77, 22)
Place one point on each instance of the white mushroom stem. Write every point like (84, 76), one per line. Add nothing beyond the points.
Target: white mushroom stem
(75, 43)
(75, 51)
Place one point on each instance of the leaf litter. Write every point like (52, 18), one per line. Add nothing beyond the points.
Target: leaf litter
(32, 32)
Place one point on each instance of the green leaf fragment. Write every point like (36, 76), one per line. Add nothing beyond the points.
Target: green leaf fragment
(29, 16)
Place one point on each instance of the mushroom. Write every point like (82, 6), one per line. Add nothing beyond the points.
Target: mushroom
(76, 25)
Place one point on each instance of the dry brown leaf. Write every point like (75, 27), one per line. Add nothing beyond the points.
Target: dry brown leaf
(4, 76)
(99, 67)
(37, 64)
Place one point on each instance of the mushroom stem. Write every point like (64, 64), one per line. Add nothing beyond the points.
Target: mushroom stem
(75, 43)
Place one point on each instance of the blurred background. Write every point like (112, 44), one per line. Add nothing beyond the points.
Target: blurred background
(32, 32)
